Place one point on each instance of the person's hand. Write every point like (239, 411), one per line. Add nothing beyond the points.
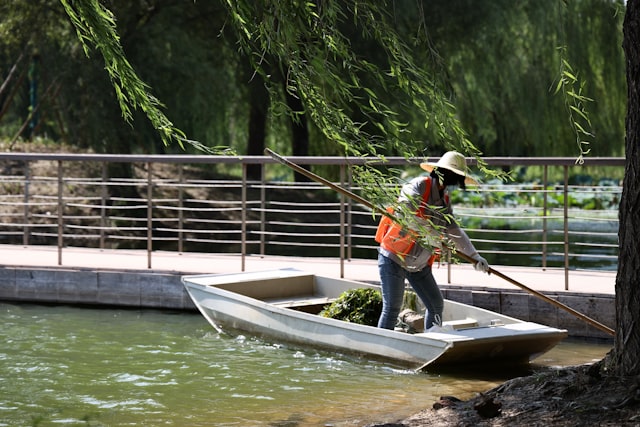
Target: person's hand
(481, 264)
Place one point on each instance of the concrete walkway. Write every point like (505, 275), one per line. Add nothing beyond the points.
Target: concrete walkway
(547, 280)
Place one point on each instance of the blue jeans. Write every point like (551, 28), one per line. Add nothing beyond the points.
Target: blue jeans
(392, 277)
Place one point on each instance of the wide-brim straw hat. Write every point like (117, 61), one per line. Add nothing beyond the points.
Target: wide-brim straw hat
(453, 161)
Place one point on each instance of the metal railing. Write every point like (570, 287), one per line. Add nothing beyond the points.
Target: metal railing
(181, 203)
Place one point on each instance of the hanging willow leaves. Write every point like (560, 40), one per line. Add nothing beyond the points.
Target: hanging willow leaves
(95, 26)
(342, 87)
(573, 90)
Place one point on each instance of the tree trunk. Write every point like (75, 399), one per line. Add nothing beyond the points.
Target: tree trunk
(627, 340)
(258, 106)
(299, 132)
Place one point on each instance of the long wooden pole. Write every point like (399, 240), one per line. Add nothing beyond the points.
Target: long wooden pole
(464, 256)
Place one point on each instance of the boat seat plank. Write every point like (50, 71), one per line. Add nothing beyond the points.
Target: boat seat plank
(301, 301)
(461, 323)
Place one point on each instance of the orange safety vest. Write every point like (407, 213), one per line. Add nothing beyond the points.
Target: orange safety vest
(398, 240)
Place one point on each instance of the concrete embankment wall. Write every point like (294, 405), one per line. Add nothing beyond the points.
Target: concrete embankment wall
(137, 289)
(525, 306)
(164, 290)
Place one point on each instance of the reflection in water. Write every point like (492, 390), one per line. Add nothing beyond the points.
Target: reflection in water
(63, 365)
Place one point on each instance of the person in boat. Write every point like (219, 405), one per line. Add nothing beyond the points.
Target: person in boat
(409, 255)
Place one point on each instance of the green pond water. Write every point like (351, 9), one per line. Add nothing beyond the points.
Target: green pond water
(73, 366)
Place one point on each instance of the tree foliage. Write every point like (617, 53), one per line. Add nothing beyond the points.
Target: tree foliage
(323, 69)
(505, 60)
(95, 26)
(373, 77)
(168, 49)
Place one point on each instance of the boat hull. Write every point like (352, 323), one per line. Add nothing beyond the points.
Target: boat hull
(272, 304)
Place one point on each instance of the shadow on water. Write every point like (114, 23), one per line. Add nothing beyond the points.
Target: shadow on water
(569, 352)
(492, 373)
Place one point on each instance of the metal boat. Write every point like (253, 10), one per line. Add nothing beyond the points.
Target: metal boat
(283, 305)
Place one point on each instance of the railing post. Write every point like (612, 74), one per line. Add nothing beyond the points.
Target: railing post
(566, 228)
(349, 217)
(243, 214)
(342, 222)
(263, 207)
(27, 182)
(149, 214)
(545, 179)
(103, 204)
(60, 213)
(180, 207)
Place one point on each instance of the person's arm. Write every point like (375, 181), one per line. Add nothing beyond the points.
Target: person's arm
(464, 245)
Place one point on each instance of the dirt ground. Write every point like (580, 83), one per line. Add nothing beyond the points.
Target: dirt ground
(573, 396)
